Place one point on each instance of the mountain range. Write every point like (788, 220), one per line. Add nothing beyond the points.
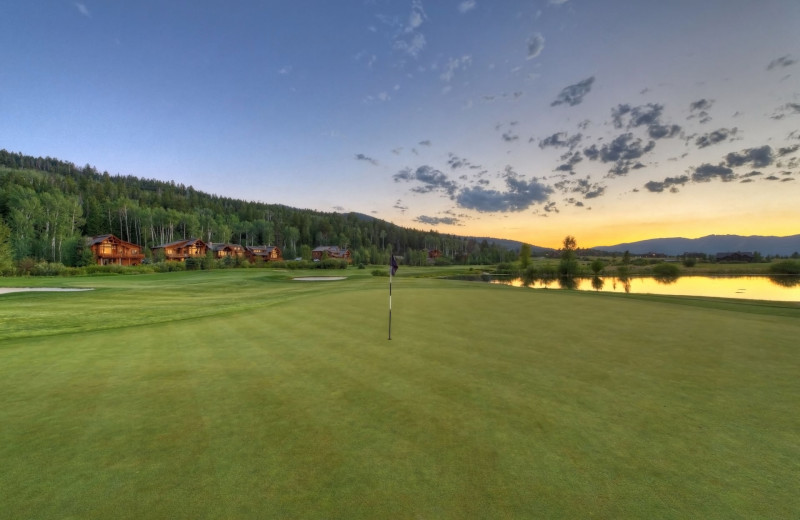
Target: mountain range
(711, 244)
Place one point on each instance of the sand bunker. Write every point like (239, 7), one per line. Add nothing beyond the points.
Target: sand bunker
(320, 278)
(5, 290)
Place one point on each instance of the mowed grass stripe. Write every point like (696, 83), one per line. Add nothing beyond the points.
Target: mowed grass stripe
(488, 401)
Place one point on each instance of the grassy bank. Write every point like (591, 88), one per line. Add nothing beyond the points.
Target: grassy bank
(245, 394)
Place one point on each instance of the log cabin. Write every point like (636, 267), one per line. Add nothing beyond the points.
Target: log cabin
(265, 253)
(227, 250)
(108, 250)
(182, 249)
(332, 251)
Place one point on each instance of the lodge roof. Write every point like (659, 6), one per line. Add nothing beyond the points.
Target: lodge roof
(180, 243)
(99, 239)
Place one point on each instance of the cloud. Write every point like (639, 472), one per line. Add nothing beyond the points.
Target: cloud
(412, 46)
(584, 187)
(417, 16)
(283, 71)
(569, 166)
(400, 206)
(466, 6)
(430, 178)
(83, 9)
(519, 195)
(782, 152)
(669, 182)
(535, 45)
(648, 115)
(455, 162)
(758, 157)
(706, 172)
(573, 94)
(362, 157)
(701, 104)
(434, 221)
(453, 65)
(787, 109)
(783, 61)
(510, 137)
(623, 148)
(715, 137)
(426, 142)
(560, 140)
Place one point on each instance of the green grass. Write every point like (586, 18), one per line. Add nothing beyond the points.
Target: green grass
(243, 394)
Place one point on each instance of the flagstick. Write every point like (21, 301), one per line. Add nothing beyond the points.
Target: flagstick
(390, 302)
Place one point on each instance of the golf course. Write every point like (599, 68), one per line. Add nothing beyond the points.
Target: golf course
(244, 393)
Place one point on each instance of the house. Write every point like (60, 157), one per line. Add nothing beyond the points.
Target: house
(226, 250)
(108, 249)
(433, 254)
(265, 253)
(182, 249)
(738, 256)
(332, 252)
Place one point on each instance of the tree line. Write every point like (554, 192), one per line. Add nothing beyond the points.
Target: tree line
(49, 206)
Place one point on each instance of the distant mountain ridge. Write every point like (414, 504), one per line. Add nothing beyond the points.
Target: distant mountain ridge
(711, 244)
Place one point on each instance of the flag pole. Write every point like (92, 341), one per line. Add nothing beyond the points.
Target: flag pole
(392, 269)
(390, 302)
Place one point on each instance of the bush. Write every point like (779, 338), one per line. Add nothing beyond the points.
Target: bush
(785, 267)
(690, 261)
(380, 272)
(665, 272)
(47, 269)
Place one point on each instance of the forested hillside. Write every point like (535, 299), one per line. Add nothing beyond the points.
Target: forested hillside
(49, 206)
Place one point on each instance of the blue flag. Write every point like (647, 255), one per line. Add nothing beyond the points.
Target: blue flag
(393, 265)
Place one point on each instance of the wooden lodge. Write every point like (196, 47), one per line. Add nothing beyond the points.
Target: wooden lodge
(108, 250)
(318, 253)
(227, 250)
(182, 249)
(265, 253)
(433, 254)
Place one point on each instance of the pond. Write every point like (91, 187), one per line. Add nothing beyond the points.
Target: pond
(785, 289)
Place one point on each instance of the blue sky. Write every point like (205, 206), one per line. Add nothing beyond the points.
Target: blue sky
(607, 120)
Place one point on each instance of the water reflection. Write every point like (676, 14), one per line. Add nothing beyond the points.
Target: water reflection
(785, 280)
(666, 279)
(776, 288)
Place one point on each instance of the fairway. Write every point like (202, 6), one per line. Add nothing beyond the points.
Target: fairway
(245, 394)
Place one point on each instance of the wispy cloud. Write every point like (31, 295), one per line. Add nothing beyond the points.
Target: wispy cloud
(573, 94)
(430, 179)
(535, 45)
(453, 65)
(362, 157)
(706, 172)
(783, 61)
(670, 183)
(717, 136)
(434, 221)
(466, 6)
(83, 9)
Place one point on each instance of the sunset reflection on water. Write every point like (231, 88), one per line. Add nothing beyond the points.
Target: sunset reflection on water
(744, 287)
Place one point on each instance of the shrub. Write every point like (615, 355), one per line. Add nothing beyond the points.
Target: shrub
(47, 269)
(785, 267)
(380, 272)
(690, 261)
(666, 273)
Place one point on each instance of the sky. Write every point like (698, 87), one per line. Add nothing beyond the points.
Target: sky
(611, 121)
